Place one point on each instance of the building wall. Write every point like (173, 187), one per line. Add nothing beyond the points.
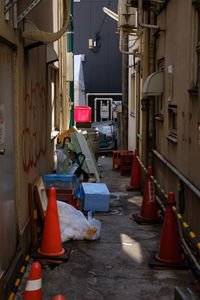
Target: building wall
(172, 49)
(102, 66)
(177, 45)
(33, 144)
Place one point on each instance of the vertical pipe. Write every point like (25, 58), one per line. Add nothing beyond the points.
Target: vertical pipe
(17, 152)
(124, 118)
(70, 48)
(144, 101)
(137, 103)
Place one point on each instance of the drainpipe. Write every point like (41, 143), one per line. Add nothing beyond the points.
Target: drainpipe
(140, 14)
(144, 100)
(137, 102)
(70, 48)
(124, 114)
(50, 37)
(135, 53)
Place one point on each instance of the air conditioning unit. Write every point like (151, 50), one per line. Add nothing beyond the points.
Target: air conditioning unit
(127, 16)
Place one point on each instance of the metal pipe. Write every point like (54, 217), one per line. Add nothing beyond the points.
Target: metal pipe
(8, 5)
(101, 94)
(136, 39)
(144, 100)
(124, 114)
(162, 7)
(120, 46)
(178, 173)
(140, 11)
(137, 102)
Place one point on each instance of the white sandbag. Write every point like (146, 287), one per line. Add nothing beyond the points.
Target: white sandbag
(75, 226)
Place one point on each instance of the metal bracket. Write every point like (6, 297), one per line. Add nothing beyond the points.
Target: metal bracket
(27, 10)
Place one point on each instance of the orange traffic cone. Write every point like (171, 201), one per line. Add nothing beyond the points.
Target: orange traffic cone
(170, 255)
(149, 210)
(135, 182)
(51, 239)
(59, 297)
(33, 289)
(51, 246)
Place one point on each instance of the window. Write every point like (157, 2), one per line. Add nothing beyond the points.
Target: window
(172, 113)
(159, 108)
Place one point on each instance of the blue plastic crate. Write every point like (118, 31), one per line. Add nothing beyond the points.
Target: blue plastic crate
(96, 197)
(62, 182)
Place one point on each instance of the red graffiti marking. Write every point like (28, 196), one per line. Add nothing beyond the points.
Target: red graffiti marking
(34, 133)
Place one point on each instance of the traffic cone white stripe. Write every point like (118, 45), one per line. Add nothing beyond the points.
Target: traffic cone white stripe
(34, 285)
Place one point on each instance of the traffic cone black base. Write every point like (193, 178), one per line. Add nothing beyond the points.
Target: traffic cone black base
(132, 188)
(158, 265)
(142, 221)
(53, 259)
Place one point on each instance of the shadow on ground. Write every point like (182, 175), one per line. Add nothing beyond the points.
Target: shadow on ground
(115, 267)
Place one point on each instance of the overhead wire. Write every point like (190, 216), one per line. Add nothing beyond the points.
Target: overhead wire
(96, 48)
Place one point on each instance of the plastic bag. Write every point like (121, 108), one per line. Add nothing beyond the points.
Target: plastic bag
(75, 226)
(94, 223)
(63, 162)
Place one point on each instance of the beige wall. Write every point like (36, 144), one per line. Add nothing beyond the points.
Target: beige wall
(177, 45)
(33, 147)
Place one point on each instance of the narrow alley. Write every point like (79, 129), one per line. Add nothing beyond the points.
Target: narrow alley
(82, 80)
(115, 267)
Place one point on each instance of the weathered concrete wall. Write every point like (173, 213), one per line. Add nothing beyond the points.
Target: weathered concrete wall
(177, 45)
(33, 147)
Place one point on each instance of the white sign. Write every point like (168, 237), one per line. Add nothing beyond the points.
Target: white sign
(104, 111)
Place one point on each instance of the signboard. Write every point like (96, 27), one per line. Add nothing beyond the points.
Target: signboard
(105, 111)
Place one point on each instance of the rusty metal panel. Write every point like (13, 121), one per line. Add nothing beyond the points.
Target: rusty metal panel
(7, 179)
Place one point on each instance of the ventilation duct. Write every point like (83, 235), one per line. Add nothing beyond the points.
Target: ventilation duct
(50, 37)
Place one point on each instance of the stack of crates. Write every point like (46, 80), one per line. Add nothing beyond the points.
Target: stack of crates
(117, 158)
(126, 161)
(66, 186)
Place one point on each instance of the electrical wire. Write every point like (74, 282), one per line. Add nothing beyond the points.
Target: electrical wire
(96, 48)
(103, 20)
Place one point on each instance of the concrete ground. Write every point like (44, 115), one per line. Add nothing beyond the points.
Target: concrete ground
(115, 267)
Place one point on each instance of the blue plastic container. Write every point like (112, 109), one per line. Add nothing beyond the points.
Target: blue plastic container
(62, 182)
(96, 197)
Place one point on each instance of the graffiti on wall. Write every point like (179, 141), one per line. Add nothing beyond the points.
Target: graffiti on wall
(34, 133)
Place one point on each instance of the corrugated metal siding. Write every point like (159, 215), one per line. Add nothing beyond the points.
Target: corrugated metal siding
(102, 70)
